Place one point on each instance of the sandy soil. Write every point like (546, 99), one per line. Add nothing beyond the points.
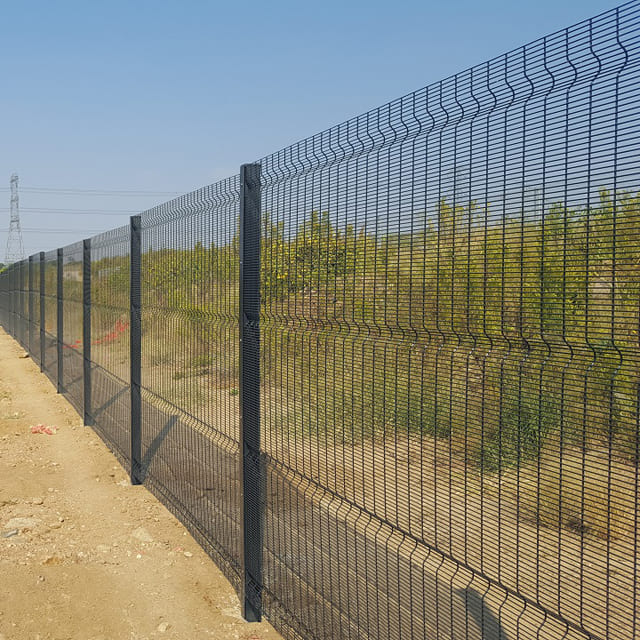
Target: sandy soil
(83, 554)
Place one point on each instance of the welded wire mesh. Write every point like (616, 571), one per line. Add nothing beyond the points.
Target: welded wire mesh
(72, 351)
(4, 299)
(50, 302)
(8, 299)
(22, 311)
(189, 283)
(450, 354)
(109, 412)
(34, 307)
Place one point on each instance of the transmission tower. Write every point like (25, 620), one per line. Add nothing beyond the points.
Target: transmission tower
(15, 247)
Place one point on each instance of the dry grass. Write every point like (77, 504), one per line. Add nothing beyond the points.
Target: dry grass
(586, 492)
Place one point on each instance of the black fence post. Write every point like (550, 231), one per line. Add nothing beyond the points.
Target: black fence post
(14, 304)
(31, 306)
(60, 317)
(16, 301)
(21, 285)
(86, 330)
(42, 313)
(23, 302)
(13, 300)
(135, 354)
(19, 328)
(250, 459)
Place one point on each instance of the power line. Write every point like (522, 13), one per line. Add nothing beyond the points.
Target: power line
(79, 231)
(95, 192)
(104, 212)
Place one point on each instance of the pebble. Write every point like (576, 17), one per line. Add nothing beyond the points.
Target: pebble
(188, 554)
(141, 534)
(37, 501)
(163, 626)
(9, 534)
(22, 523)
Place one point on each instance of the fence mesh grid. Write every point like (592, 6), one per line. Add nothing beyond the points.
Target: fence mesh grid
(110, 372)
(34, 308)
(72, 353)
(189, 283)
(50, 303)
(449, 356)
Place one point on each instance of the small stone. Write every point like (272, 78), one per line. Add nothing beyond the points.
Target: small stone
(40, 578)
(138, 556)
(103, 548)
(54, 525)
(9, 534)
(37, 501)
(188, 554)
(163, 626)
(22, 523)
(141, 534)
(50, 489)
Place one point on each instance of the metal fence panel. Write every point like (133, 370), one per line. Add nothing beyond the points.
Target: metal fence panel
(23, 307)
(450, 354)
(190, 449)
(50, 303)
(445, 443)
(72, 345)
(34, 301)
(110, 406)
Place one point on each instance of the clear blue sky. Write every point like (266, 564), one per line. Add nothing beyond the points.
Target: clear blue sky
(166, 96)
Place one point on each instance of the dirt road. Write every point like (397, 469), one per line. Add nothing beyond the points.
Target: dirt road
(83, 554)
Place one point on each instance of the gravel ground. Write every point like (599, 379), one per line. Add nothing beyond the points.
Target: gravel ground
(83, 554)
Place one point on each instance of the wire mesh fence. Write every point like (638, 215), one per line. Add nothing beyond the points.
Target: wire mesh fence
(388, 376)
(110, 354)
(72, 347)
(189, 290)
(49, 302)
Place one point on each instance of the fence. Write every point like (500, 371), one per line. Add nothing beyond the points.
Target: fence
(389, 376)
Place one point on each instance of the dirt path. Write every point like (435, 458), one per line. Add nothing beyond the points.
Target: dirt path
(84, 555)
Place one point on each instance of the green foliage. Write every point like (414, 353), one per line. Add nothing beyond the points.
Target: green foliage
(502, 334)
(524, 328)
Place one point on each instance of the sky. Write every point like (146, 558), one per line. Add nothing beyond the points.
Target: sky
(110, 108)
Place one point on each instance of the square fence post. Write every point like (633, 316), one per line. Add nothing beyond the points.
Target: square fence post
(60, 317)
(21, 305)
(42, 313)
(31, 306)
(135, 342)
(251, 467)
(14, 298)
(86, 331)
